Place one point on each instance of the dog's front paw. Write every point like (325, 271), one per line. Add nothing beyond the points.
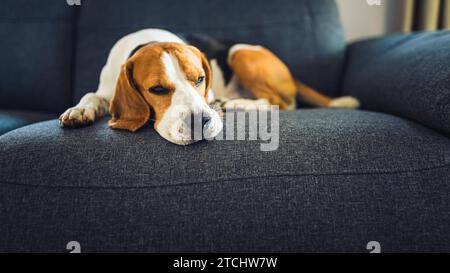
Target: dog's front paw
(77, 117)
(345, 102)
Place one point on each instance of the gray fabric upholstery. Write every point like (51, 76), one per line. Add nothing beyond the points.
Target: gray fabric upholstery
(405, 75)
(37, 55)
(338, 180)
(316, 142)
(12, 119)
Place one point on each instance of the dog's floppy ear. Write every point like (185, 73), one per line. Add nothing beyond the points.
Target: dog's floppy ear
(206, 68)
(128, 108)
(208, 73)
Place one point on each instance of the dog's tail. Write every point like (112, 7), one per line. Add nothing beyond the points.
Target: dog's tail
(311, 96)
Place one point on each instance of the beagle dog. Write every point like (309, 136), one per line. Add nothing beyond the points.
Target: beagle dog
(153, 74)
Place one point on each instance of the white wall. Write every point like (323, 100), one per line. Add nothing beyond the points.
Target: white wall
(361, 20)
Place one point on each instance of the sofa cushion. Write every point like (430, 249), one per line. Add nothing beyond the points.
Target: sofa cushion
(405, 74)
(37, 44)
(12, 119)
(312, 142)
(305, 34)
(338, 180)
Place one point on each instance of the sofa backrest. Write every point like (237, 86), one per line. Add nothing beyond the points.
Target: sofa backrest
(37, 44)
(54, 52)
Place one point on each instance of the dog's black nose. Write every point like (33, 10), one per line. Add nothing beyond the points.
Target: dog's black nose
(199, 119)
(197, 122)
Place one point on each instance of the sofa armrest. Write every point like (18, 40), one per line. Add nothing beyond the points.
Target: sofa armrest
(406, 75)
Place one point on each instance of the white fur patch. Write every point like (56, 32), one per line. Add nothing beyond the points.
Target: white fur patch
(345, 102)
(247, 104)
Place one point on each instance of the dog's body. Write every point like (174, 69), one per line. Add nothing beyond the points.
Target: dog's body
(155, 72)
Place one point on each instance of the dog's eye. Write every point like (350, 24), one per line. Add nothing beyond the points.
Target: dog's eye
(199, 81)
(158, 89)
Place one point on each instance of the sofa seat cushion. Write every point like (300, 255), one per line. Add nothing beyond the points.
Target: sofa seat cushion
(12, 119)
(312, 142)
(338, 180)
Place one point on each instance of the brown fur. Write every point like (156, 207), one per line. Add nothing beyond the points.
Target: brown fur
(131, 103)
(311, 96)
(266, 76)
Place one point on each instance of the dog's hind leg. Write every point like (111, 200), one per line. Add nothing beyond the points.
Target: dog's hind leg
(264, 75)
(268, 77)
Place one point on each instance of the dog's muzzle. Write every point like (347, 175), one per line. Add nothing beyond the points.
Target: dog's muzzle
(185, 126)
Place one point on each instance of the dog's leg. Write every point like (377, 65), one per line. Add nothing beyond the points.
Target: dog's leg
(264, 75)
(90, 108)
(313, 97)
(94, 105)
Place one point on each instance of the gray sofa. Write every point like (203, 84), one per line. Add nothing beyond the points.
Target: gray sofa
(339, 179)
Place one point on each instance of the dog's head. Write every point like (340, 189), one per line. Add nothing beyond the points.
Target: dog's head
(169, 82)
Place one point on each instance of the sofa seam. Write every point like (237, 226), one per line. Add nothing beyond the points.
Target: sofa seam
(231, 179)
